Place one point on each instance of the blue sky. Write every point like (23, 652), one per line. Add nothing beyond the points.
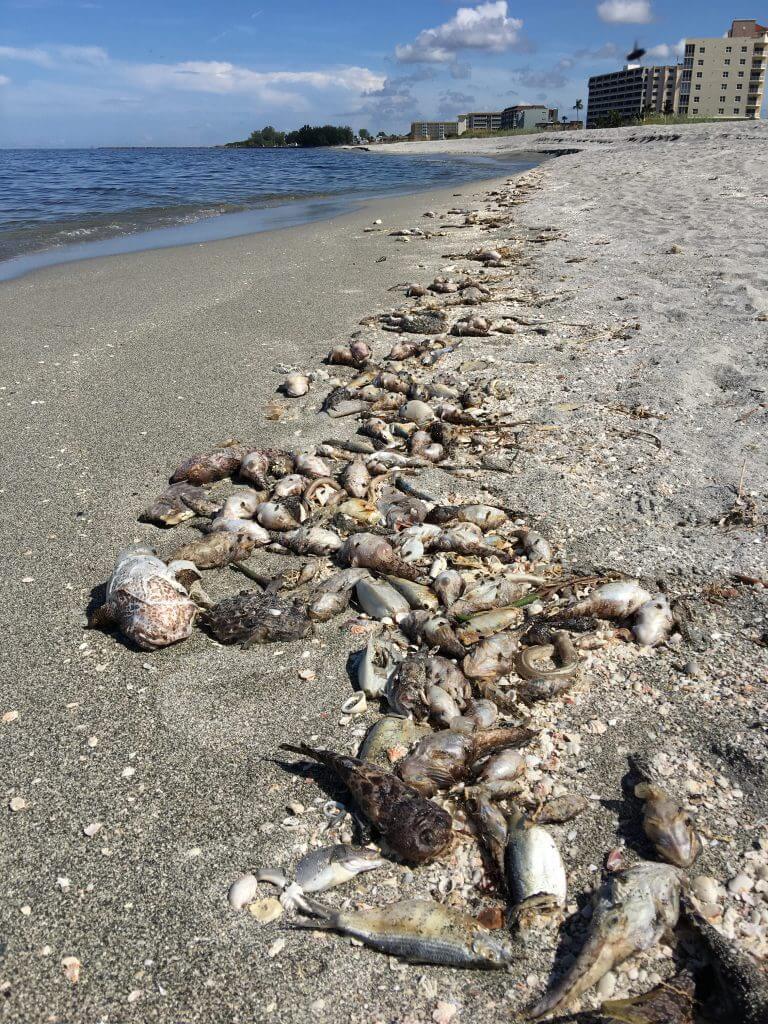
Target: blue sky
(167, 72)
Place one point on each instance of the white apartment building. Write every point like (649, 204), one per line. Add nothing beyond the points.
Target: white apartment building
(725, 77)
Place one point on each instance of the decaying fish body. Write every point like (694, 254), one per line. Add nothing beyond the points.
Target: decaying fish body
(416, 594)
(653, 621)
(670, 1002)
(448, 585)
(215, 550)
(743, 984)
(334, 865)
(379, 600)
(433, 631)
(253, 617)
(442, 759)
(388, 740)
(535, 870)
(667, 825)
(178, 502)
(491, 824)
(484, 624)
(414, 827)
(368, 551)
(490, 594)
(632, 910)
(146, 601)
(362, 511)
(543, 683)
(310, 540)
(412, 689)
(284, 514)
(420, 931)
(377, 663)
(356, 479)
(502, 767)
(215, 465)
(333, 596)
(491, 658)
(561, 809)
(615, 600)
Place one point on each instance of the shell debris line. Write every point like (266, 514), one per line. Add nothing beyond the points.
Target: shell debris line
(476, 638)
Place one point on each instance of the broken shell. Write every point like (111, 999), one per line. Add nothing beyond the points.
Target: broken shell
(266, 910)
(296, 385)
(355, 705)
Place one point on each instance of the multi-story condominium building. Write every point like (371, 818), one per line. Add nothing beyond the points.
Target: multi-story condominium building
(632, 90)
(484, 121)
(725, 77)
(527, 115)
(433, 131)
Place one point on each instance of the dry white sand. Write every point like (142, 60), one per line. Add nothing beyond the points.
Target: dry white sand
(640, 377)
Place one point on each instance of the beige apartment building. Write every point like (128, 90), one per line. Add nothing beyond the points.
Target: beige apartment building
(433, 131)
(725, 77)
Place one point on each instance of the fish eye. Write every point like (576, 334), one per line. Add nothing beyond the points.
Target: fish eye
(426, 836)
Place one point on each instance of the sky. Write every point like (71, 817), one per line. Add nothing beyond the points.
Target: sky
(179, 72)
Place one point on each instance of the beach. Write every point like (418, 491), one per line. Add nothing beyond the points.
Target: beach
(638, 298)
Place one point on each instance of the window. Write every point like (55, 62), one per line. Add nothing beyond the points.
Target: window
(728, 49)
(736, 110)
(743, 49)
(727, 60)
(698, 74)
(700, 63)
(695, 110)
(721, 111)
(742, 61)
(741, 74)
(725, 74)
(698, 87)
(723, 99)
(739, 86)
(702, 49)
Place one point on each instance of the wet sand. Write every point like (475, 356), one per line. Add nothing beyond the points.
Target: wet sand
(630, 452)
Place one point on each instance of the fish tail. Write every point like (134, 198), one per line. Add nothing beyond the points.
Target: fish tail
(302, 748)
(489, 740)
(326, 917)
(592, 963)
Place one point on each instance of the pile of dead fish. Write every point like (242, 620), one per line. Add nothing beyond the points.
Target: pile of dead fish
(475, 624)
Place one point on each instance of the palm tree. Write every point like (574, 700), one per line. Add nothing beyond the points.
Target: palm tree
(578, 106)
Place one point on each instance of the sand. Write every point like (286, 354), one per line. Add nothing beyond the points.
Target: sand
(640, 429)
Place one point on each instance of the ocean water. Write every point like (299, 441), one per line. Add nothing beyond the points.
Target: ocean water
(57, 205)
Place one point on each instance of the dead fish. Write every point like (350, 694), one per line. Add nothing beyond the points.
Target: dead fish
(489, 595)
(290, 486)
(419, 931)
(430, 630)
(615, 600)
(416, 411)
(416, 594)
(653, 621)
(310, 540)
(324, 492)
(311, 465)
(632, 910)
(361, 511)
(369, 551)
(561, 809)
(478, 715)
(255, 468)
(414, 827)
(215, 465)
(536, 547)
(333, 595)
(388, 740)
(535, 870)
(543, 631)
(379, 600)
(406, 688)
(253, 617)
(146, 601)
(444, 673)
(491, 825)
(743, 986)
(377, 663)
(442, 759)
(491, 658)
(449, 586)
(485, 624)
(356, 478)
(241, 505)
(544, 683)
(486, 517)
(177, 503)
(285, 514)
(334, 865)
(215, 550)
(667, 825)
(671, 1002)
(505, 766)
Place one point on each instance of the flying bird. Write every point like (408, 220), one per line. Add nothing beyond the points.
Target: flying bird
(637, 53)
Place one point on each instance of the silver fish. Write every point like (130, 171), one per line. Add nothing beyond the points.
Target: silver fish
(334, 865)
(312, 540)
(535, 870)
(613, 600)
(419, 931)
(632, 910)
(484, 624)
(416, 594)
(379, 600)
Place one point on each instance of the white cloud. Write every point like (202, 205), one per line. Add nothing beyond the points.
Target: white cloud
(485, 27)
(625, 12)
(223, 77)
(664, 51)
(57, 56)
(5, 80)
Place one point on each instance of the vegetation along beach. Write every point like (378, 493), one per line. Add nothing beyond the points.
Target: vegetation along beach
(598, 377)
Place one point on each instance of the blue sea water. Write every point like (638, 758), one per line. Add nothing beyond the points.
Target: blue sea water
(57, 205)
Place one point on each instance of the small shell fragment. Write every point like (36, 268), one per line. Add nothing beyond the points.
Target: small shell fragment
(242, 891)
(266, 910)
(357, 704)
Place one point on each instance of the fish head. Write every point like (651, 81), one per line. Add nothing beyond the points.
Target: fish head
(493, 949)
(424, 833)
(672, 833)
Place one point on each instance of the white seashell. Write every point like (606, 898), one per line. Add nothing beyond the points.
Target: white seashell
(242, 891)
(355, 705)
(296, 385)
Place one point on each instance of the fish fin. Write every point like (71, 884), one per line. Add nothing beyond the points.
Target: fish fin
(327, 915)
(101, 618)
(300, 748)
(648, 791)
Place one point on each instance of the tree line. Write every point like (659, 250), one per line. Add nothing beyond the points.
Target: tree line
(306, 136)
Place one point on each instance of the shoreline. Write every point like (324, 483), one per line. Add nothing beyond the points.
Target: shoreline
(627, 454)
(209, 225)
